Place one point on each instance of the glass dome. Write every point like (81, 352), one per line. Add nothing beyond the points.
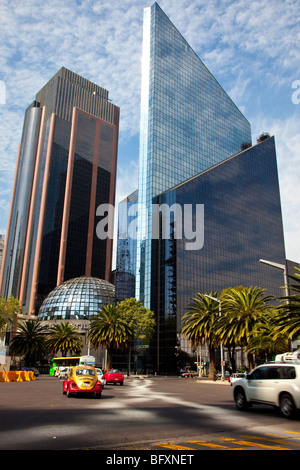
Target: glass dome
(78, 298)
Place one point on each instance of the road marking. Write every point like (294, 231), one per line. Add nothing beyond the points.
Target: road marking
(173, 447)
(277, 441)
(215, 446)
(238, 442)
(251, 444)
(293, 432)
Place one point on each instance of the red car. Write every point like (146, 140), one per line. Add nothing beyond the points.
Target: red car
(113, 376)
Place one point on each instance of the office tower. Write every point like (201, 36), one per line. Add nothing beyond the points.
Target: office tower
(196, 150)
(66, 169)
(242, 224)
(188, 124)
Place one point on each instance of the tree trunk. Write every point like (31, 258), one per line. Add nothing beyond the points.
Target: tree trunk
(231, 351)
(212, 362)
(109, 358)
(250, 361)
(128, 361)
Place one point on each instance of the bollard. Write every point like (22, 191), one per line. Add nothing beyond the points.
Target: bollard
(31, 375)
(10, 376)
(27, 376)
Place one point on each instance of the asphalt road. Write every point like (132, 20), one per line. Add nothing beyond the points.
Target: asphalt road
(157, 414)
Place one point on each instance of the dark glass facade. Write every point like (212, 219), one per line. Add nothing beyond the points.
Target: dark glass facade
(242, 224)
(125, 273)
(66, 169)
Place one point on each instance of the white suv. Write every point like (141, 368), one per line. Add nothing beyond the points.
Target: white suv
(63, 372)
(276, 384)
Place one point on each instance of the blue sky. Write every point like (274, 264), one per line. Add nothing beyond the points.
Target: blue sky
(252, 48)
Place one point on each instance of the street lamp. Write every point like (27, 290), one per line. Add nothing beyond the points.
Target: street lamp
(221, 345)
(84, 317)
(283, 267)
(279, 266)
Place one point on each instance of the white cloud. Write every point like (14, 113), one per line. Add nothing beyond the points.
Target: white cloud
(287, 140)
(251, 48)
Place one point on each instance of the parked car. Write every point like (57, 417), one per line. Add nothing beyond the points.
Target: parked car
(190, 373)
(113, 376)
(236, 376)
(100, 376)
(82, 380)
(63, 372)
(276, 384)
(219, 375)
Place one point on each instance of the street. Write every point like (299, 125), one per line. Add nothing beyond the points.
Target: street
(155, 413)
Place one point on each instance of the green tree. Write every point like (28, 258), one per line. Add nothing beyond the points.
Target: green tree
(198, 324)
(287, 322)
(8, 309)
(64, 337)
(110, 330)
(140, 320)
(242, 309)
(29, 341)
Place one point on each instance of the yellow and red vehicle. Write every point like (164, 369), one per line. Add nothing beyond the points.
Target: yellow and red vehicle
(82, 380)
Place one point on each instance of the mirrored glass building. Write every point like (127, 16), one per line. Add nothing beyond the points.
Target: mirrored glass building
(196, 152)
(188, 124)
(242, 224)
(66, 169)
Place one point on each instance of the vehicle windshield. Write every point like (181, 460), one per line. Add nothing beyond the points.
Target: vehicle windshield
(114, 371)
(85, 372)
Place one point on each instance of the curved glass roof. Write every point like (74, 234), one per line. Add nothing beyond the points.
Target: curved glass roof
(78, 298)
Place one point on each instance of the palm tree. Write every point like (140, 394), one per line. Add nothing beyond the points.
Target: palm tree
(198, 324)
(288, 319)
(110, 330)
(242, 309)
(262, 342)
(29, 341)
(64, 337)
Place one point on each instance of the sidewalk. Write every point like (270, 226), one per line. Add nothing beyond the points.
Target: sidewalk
(205, 380)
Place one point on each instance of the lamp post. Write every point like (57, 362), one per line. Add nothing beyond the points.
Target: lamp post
(221, 345)
(283, 267)
(84, 317)
(279, 266)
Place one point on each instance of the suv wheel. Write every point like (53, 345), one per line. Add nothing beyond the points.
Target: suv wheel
(240, 400)
(287, 406)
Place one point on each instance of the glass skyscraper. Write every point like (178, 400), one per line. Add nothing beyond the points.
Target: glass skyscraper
(242, 224)
(188, 124)
(66, 169)
(196, 151)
